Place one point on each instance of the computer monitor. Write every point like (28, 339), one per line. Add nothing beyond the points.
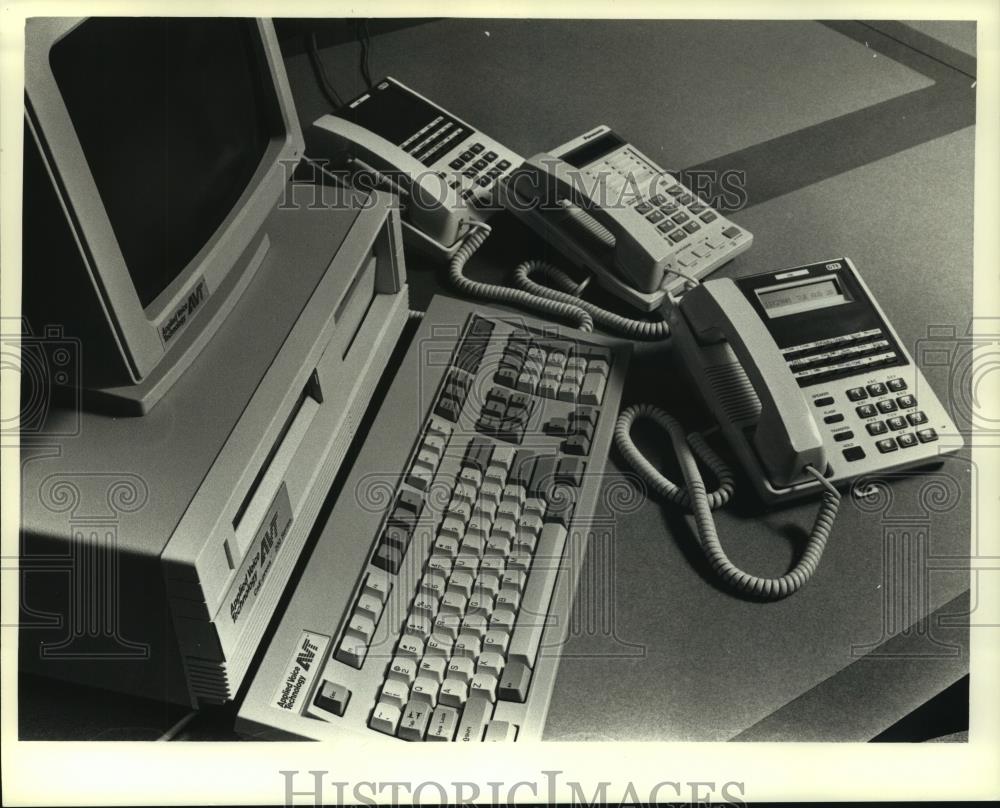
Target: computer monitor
(154, 150)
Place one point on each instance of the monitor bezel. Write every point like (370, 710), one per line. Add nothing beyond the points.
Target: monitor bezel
(137, 329)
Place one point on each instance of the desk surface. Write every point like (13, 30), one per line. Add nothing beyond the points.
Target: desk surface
(849, 148)
(657, 651)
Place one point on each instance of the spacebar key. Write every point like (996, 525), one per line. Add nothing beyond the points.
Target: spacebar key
(535, 604)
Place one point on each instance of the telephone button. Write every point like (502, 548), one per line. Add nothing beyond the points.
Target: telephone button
(876, 428)
(457, 163)
(480, 164)
(866, 411)
(685, 199)
(886, 405)
(836, 418)
(469, 172)
(678, 235)
(670, 208)
(917, 418)
(643, 208)
(675, 190)
(491, 156)
(825, 401)
(503, 165)
(467, 155)
(494, 172)
(906, 440)
(658, 199)
(897, 422)
(680, 218)
(876, 389)
(475, 148)
(654, 216)
(886, 445)
(707, 216)
(696, 208)
(842, 436)
(692, 227)
(483, 181)
(896, 385)
(731, 232)
(857, 394)
(854, 453)
(927, 435)
(907, 401)
(665, 227)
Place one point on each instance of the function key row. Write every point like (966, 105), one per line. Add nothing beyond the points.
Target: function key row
(794, 351)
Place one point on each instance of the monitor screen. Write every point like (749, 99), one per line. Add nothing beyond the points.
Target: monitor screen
(173, 117)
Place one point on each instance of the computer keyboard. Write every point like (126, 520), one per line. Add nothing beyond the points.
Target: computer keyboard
(456, 542)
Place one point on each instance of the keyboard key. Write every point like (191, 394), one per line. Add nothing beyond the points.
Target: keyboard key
(866, 411)
(411, 645)
(876, 428)
(484, 683)
(425, 689)
(876, 389)
(385, 718)
(535, 605)
(857, 393)
(443, 723)
(403, 669)
(514, 681)
(906, 440)
(490, 662)
(454, 693)
(896, 385)
(478, 711)
(886, 405)
(592, 389)
(388, 558)
(378, 586)
(413, 723)
(332, 697)
(897, 422)
(886, 445)
(916, 418)
(907, 401)
(395, 693)
(927, 435)
(500, 731)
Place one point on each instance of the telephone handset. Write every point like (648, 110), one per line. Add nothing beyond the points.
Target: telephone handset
(446, 168)
(811, 387)
(802, 368)
(646, 229)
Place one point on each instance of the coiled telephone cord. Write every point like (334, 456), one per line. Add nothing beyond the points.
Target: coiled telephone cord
(694, 497)
(561, 302)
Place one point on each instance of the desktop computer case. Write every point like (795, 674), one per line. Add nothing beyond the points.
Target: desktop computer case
(154, 549)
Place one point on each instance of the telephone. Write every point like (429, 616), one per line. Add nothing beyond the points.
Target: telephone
(446, 170)
(612, 210)
(812, 388)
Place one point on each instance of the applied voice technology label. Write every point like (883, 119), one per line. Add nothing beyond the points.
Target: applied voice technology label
(307, 659)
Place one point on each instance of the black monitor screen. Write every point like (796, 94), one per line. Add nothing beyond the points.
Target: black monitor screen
(173, 118)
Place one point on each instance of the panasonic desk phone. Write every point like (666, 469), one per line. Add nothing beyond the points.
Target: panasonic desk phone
(437, 614)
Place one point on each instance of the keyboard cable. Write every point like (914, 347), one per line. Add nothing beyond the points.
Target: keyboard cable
(697, 500)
